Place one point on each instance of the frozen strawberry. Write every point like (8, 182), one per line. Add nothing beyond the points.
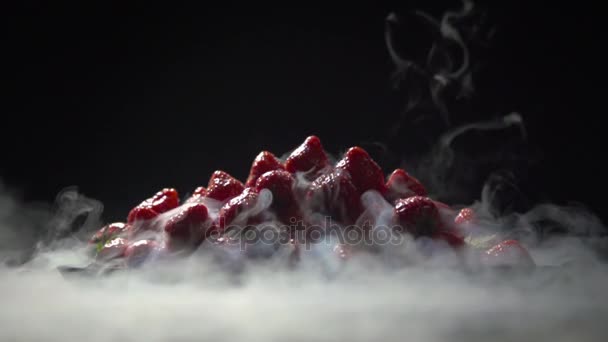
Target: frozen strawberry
(141, 213)
(137, 252)
(162, 201)
(400, 184)
(334, 194)
(187, 227)
(198, 193)
(281, 184)
(264, 162)
(364, 172)
(165, 200)
(223, 186)
(112, 249)
(308, 158)
(239, 210)
(417, 215)
(465, 215)
(507, 253)
(109, 232)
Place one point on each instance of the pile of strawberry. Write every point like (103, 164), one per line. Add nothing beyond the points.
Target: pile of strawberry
(304, 187)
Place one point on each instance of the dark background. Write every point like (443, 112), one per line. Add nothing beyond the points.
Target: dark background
(123, 99)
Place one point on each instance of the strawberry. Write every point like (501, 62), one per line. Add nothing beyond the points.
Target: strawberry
(223, 186)
(417, 215)
(308, 158)
(466, 215)
(188, 225)
(112, 249)
(281, 184)
(364, 171)
(141, 213)
(162, 201)
(400, 184)
(198, 193)
(137, 252)
(109, 232)
(238, 208)
(507, 253)
(264, 162)
(334, 194)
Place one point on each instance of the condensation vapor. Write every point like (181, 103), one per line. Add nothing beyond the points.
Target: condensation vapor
(398, 293)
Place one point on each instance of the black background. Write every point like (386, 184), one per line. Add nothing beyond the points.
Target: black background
(123, 99)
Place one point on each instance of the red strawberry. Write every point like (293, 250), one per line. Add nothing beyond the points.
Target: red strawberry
(417, 215)
(308, 158)
(112, 249)
(507, 253)
(243, 204)
(137, 252)
(280, 183)
(165, 200)
(264, 162)
(465, 215)
(141, 213)
(108, 232)
(187, 226)
(223, 186)
(364, 171)
(162, 201)
(400, 184)
(198, 193)
(334, 194)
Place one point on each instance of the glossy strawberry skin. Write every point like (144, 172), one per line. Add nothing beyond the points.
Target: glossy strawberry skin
(417, 215)
(400, 184)
(507, 253)
(334, 194)
(465, 215)
(137, 252)
(264, 162)
(141, 214)
(281, 184)
(308, 158)
(165, 200)
(112, 249)
(109, 232)
(161, 202)
(198, 193)
(365, 173)
(244, 202)
(223, 186)
(187, 227)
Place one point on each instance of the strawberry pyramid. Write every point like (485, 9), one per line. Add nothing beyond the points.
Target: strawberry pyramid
(293, 196)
